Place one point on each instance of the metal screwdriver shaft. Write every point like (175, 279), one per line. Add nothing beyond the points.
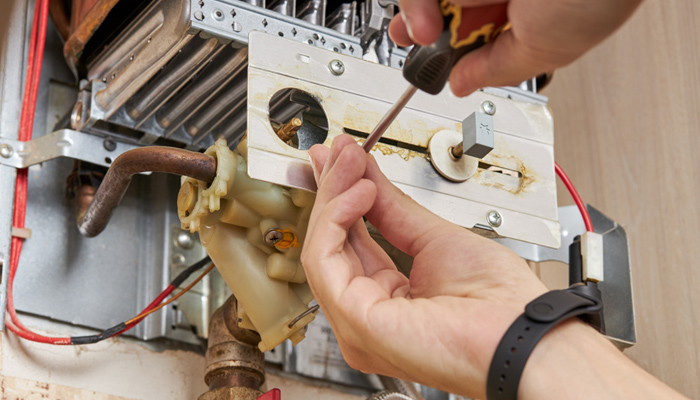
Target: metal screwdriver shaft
(388, 118)
(428, 67)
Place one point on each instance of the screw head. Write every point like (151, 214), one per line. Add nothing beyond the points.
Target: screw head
(494, 218)
(273, 236)
(6, 150)
(177, 260)
(337, 67)
(488, 107)
(109, 143)
(184, 240)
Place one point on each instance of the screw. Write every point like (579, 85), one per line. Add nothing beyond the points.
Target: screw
(343, 46)
(352, 49)
(315, 36)
(273, 236)
(6, 150)
(178, 259)
(294, 31)
(109, 143)
(185, 240)
(488, 107)
(76, 116)
(337, 67)
(323, 40)
(198, 15)
(494, 218)
(264, 22)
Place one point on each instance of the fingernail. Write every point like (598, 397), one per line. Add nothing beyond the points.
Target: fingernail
(407, 21)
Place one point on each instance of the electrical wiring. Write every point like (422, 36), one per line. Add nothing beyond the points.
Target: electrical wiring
(120, 328)
(151, 308)
(577, 199)
(37, 43)
(143, 315)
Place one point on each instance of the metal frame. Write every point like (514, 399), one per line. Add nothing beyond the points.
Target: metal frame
(240, 19)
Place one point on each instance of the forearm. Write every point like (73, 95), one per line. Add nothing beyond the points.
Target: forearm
(575, 362)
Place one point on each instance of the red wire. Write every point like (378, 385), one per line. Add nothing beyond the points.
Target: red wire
(155, 303)
(36, 45)
(577, 199)
(35, 60)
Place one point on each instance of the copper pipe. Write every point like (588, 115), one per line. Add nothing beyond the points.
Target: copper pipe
(94, 216)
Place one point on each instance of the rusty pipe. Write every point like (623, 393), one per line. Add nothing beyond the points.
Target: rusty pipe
(235, 367)
(94, 215)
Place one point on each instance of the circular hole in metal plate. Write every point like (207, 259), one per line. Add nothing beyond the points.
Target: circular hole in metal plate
(298, 118)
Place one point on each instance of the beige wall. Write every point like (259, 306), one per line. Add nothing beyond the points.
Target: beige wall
(627, 123)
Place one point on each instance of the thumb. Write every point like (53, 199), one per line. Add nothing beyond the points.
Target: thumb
(505, 62)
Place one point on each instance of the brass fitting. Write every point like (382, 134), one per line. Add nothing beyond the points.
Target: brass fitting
(288, 130)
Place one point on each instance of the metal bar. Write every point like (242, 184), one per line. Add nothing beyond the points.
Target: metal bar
(239, 19)
(61, 143)
(388, 118)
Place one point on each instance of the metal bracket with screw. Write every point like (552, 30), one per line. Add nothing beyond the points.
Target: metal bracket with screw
(61, 143)
(6, 151)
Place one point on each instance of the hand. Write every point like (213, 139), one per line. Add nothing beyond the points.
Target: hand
(544, 35)
(440, 327)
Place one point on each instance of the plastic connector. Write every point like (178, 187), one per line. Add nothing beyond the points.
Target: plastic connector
(592, 256)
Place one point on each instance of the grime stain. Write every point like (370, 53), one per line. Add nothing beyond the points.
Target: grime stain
(405, 154)
(527, 179)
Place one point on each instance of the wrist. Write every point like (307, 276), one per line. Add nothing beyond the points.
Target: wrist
(574, 361)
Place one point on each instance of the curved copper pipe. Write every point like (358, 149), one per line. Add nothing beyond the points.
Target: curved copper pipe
(94, 215)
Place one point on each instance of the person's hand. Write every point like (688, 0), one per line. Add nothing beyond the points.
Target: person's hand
(544, 35)
(441, 326)
(447, 319)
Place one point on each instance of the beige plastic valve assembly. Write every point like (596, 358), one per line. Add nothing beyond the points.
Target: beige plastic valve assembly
(253, 231)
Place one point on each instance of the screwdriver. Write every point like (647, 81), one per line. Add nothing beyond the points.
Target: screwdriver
(428, 67)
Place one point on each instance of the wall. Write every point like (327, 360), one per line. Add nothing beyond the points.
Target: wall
(626, 121)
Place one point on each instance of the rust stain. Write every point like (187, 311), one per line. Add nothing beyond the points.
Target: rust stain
(403, 153)
(86, 18)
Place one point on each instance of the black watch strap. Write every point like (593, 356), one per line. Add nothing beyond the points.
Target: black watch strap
(541, 315)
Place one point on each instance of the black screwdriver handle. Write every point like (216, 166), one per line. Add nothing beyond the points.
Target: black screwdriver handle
(429, 67)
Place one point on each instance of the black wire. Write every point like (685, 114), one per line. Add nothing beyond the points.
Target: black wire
(189, 271)
(107, 333)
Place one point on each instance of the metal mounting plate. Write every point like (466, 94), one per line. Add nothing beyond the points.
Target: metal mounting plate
(358, 98)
